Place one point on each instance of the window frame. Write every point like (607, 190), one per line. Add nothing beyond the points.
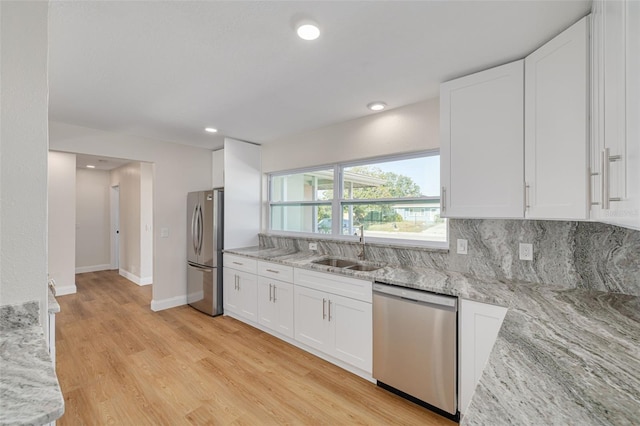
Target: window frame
(338, 202)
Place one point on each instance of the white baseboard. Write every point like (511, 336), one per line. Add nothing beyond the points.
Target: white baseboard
(134, 278)
(160, 305)
(65, 289)
(146, 281)
(92, 268)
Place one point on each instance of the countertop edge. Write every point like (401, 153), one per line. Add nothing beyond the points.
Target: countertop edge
(29, 389)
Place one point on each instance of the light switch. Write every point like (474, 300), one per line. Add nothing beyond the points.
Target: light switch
(164, 232)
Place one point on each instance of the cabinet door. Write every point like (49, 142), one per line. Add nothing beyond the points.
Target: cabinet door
(248, 295)
(266, 308)
(283, 302)
(312, 327)
(479, 324)
(230, 291)
(481, 154)
(352, 338)
(615, 144)
(556, 126)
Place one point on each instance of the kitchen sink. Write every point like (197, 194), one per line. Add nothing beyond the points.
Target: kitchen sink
(361, 267)
(336, 263)
(346, 264)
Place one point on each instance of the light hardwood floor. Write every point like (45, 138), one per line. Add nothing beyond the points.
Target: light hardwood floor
(120, 363)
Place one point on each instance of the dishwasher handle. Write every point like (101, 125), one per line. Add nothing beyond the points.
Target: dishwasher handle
(416, 295)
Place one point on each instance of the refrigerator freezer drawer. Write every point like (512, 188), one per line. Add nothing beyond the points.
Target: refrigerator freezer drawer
(204, 289)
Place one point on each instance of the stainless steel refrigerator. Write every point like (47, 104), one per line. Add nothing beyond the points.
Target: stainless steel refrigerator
(205, 222)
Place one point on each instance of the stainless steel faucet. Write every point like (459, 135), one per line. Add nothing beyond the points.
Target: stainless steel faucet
(362, 255)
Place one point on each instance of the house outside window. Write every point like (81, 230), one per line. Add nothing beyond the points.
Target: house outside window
(396, 199)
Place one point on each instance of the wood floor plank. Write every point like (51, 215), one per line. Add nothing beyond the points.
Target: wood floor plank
(118, 362)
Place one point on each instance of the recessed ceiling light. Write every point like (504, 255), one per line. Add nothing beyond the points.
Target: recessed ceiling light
(308, 31)
(211, 130)
(377, 106)
(90, 166)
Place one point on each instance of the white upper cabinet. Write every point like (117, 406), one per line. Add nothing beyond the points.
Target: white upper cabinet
(615, 142)
(217, 168)
(242, 193)
(481, 130)
(556, 126)
(515, 138)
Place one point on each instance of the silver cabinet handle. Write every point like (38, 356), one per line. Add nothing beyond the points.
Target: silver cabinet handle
(604, 182)
(238, 263)
(590, 175)
(527, 189)
(606, 177)
(443, 200)
(270, 298)
(329, 310)
(237, 282)
(274, 293)
(324, 303)
(274, 271)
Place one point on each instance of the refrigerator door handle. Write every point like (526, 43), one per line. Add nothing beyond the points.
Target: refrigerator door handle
(194, 241)
(200, 230)
(203, 268)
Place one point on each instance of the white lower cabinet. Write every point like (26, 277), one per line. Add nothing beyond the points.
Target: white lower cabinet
(241, 294)
(312, 327)
(324, 313)
(479, 324)
(352, 331)
(338, 326)
(275, 305)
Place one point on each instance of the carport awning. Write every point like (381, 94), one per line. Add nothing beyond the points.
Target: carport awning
(355, 180)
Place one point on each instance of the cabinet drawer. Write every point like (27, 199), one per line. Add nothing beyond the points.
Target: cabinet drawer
(275, 271)
(240, 263)
(336, 284)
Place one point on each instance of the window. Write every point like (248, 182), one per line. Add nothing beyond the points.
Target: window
(301, 202)
(395, 199)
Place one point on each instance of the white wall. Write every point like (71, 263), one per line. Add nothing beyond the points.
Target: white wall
(62, 221)
(406, 129)
(23, 158)
(178, 169)
(92, 220)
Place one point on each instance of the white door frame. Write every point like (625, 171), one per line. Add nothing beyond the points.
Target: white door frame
(115, 226)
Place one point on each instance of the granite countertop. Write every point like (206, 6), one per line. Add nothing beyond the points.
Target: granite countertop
(29, 389)
(53, 305)
(561, 357)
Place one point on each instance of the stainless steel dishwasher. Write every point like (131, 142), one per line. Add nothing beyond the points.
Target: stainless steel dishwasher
(414, 345)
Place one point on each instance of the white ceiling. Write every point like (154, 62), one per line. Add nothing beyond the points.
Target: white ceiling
(167, 69)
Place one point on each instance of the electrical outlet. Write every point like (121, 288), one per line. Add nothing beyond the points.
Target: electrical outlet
(526, 251)
(462, 246)
(313, 246)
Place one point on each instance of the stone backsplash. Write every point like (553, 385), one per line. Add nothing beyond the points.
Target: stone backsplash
(584, 255)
